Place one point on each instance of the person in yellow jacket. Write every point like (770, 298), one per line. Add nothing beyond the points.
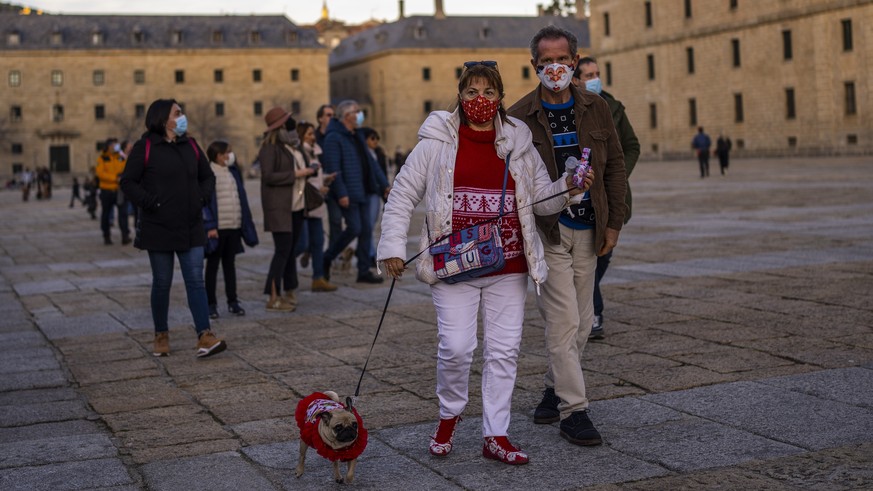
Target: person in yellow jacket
(110, 165)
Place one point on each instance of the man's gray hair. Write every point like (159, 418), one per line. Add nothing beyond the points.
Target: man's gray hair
(345, 107)
(552, 32)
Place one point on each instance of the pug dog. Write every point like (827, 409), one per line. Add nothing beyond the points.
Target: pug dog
(334, 430)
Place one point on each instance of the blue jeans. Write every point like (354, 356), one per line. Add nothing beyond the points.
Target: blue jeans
(357, 226)
(191, 264)
(312, 242)
(602, 264)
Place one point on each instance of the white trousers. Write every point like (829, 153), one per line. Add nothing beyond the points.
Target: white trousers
(567, 306)
(501, 302)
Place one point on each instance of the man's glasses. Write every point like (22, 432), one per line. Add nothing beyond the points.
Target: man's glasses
(488, 63)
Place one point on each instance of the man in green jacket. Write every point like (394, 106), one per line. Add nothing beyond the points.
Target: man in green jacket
(587, 75)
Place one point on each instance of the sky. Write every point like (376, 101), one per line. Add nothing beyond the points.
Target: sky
(299, 11)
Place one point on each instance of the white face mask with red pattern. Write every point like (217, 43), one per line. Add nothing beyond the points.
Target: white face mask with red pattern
(480, 110)
(555, 77)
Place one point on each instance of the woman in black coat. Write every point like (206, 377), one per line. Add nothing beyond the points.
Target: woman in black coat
(168, 177)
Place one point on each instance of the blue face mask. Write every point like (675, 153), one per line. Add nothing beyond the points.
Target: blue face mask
(359, 118)
(594, 85)
(181, 125)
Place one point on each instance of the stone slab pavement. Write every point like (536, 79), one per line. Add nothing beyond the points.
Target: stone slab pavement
(738, 355)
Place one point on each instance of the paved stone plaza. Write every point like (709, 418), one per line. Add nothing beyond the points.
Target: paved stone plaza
(738, 355)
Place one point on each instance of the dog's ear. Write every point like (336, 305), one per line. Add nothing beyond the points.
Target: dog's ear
(348, 403)
(325, 416)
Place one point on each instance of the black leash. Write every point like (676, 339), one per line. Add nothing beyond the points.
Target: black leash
(413, 258)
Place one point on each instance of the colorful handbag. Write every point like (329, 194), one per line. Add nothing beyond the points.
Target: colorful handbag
(472, 252)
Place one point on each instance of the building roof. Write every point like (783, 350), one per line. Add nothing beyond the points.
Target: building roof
(93, 32)
(451, 32)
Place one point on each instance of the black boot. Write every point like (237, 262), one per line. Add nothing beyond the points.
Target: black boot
(547, 411)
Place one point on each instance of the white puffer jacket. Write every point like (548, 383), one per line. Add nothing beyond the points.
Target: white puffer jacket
(429, 174)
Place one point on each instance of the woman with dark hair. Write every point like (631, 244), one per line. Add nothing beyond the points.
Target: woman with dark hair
(459, 169)
(311, 241)
(283, 173)
(228, 221)
(168, 177)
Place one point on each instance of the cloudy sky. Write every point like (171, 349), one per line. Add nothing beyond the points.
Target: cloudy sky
(299, 11)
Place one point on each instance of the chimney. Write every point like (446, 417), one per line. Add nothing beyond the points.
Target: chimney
(439, 12)
(400, 6)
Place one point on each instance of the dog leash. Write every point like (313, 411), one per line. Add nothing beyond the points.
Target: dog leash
(413, 258)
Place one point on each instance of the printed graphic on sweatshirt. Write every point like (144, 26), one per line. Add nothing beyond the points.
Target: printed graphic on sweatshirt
(475, 205)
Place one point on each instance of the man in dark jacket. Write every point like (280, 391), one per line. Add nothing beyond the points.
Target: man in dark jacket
(563, 121)
(358, 175)
(701, 143)
(587, 75)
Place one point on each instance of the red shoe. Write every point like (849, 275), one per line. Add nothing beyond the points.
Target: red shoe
(499, 448)
(441, 441)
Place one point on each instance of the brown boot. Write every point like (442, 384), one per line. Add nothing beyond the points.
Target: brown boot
(162, 344)
(322, 285)
(208, 344)
(290, 298)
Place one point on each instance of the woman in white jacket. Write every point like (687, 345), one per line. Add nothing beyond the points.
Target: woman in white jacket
(457, 168)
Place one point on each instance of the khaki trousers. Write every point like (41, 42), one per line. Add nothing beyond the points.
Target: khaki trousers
(566, 304)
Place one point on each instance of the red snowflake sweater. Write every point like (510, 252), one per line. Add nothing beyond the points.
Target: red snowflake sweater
(307, 415)
(478, 184)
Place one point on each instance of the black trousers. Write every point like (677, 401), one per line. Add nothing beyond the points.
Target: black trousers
(228, 242)
(283, 267)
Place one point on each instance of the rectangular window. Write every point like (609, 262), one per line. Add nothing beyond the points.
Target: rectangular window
(606, 24)
(218, 76)
(650, 61)
(790, 108)
(180, 76)
(428, 106)
(458, 72)
(792, 141)
(525, 73)
(57, 78)
(787, 49)
(687, 9)
(735, 51)
(14, 78)
(99, 112)
(255, 37)
(425, 73)
(608, 66)
(689, 52)
(219, 109)
(139, 77)
(692, 112)
(848, 45)
(99, 77)
(295, 107)
(17, 149)
(738, 108)
(852, 139)
(653, 116)
(851, 108)
(258, 108)
(217, 37)
(139, 110)
(256, 75)
(295, 75)
(57, 113)
(648, 14)
(734, 4)
(138, 37)
(176, 37)
(15, 113)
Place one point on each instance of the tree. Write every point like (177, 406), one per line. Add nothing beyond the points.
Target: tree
(566, 8)
(205, 125)
(127, 125)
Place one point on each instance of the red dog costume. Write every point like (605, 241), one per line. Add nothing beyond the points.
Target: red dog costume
(308, 413)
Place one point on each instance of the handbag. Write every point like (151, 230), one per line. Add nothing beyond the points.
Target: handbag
(312, 197)
(471, 252)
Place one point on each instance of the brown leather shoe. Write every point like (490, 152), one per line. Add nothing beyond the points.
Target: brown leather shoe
(208, 344)
(162, 344)
(322, 285)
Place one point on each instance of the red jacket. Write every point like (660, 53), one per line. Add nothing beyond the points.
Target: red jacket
(308, 420)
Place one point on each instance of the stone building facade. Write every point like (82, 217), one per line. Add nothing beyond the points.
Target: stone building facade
(779, 77)
(71, 81)
(401, 71)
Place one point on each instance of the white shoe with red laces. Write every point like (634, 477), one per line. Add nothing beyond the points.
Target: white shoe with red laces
(441, 441)
(499, 448)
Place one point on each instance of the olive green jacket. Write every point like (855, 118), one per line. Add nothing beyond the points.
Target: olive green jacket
(630, 145)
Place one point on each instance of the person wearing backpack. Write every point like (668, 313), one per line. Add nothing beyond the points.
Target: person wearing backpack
(169, 178)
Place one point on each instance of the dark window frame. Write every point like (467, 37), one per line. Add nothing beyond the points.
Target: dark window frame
(689, 55)
(179, 76)
(692, 111)
(606, 24)
(218, 76)
(787, 45)
(649, 20)
(425, 73)
(99, 112)
(739, 111)
(650, 64)
(851, 100)
(790, 103)
(736, 59)
(848, 41)
(257, 75)
(653, 115)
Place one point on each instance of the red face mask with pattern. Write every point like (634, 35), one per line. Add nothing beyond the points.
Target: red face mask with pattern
(480, 110)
